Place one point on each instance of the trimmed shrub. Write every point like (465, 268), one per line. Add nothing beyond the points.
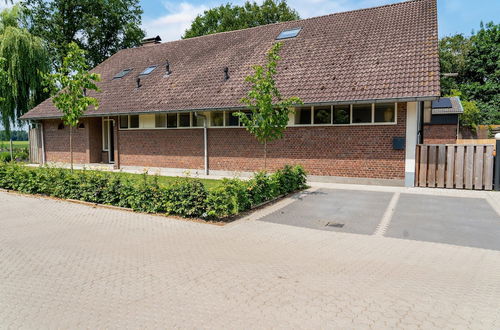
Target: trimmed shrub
(185, 197)
(230, 198)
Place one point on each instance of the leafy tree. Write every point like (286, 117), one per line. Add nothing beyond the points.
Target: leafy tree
(100, 27)
(472, 115)
(25, 57)
(3, 74)
(482, 72)
(476, 59)
(270, 111)
(228, 17)
(453, 52)
(69, 87)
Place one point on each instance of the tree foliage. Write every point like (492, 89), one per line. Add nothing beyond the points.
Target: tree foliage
(270, 111)
(228, 17)
(453, 52)
(100, 27)
(477, 61)
(25, 58)
(69, 86)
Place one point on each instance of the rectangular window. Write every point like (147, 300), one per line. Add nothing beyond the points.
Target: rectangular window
(361, 113)
(248, 114)
(385, 113)
(342, 114)
(134, 121)
(198, 121)
(217, 118)
(185, 119)
(231, 119)
(323, 115)
(171, 120)
(124, 122)
(160, 120)
(303, 116)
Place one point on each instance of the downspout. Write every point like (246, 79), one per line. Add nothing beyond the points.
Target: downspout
(205, 139)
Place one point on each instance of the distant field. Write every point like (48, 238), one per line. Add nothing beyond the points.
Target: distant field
(5, 145)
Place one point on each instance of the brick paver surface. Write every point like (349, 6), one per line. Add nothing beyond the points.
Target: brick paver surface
(64, 265)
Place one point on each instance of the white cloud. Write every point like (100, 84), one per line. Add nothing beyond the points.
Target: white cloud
(172, 26)
(180, 15)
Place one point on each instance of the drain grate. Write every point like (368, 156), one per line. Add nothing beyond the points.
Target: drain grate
(334, 224)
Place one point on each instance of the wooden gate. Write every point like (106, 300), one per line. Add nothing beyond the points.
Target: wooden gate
(454, 166)
(35, 146)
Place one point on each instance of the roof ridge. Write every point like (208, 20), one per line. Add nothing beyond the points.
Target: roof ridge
(287, 22)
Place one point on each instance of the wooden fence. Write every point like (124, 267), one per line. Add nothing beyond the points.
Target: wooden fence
(454, 166)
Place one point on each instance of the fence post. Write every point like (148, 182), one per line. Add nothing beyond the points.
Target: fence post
(497, 163)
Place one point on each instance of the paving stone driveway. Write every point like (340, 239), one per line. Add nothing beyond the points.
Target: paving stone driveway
(466, 219)
(64, 265)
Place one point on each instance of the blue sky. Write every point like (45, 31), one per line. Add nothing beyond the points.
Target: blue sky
(169, 19)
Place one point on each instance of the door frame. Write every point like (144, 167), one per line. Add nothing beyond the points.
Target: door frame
(110, 139)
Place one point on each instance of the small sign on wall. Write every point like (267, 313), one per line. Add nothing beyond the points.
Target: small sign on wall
(398, 143)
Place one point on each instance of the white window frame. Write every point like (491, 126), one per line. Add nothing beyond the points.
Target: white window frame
(105, 137)
(313, 109)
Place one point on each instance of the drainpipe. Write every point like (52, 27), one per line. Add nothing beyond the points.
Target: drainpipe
(205, 139)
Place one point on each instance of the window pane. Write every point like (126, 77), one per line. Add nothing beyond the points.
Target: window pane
(198, 121)
(303, 116)
(385, 113)
(217, 118)
(342, 114)
(362, 113)
(231, 120)
(123, 121)
(172, 120)
(134, 121)
(160, 120)
(185, 120)
(105, 132)
(248, 114)
(322, 115)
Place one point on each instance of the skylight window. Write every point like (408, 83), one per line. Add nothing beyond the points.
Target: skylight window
(122, 74)
(292, 33)
(148, 70)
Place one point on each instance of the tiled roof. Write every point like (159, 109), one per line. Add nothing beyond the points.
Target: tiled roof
(388, 52)
(456, 107)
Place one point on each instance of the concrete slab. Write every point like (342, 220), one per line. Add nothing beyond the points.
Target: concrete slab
(453, 220)
(353, 211)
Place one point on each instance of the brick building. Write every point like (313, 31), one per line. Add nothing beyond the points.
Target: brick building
(441, 120)
(364, 77)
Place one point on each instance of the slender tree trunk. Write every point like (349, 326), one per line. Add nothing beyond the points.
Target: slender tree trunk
(71, 146)
(265, 155)
(11, 150)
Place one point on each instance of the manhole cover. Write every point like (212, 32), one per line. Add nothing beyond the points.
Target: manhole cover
(334, 224)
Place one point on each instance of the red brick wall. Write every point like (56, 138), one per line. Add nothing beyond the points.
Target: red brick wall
(95, 139)
(176, 148)
(440, 134)
(57, 142)
(351, 151)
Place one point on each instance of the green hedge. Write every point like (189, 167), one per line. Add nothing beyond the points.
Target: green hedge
(186, 197)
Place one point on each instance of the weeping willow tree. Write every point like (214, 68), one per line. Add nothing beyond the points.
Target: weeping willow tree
(25, 59)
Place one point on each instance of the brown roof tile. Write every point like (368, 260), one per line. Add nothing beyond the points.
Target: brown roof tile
(385, 52)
